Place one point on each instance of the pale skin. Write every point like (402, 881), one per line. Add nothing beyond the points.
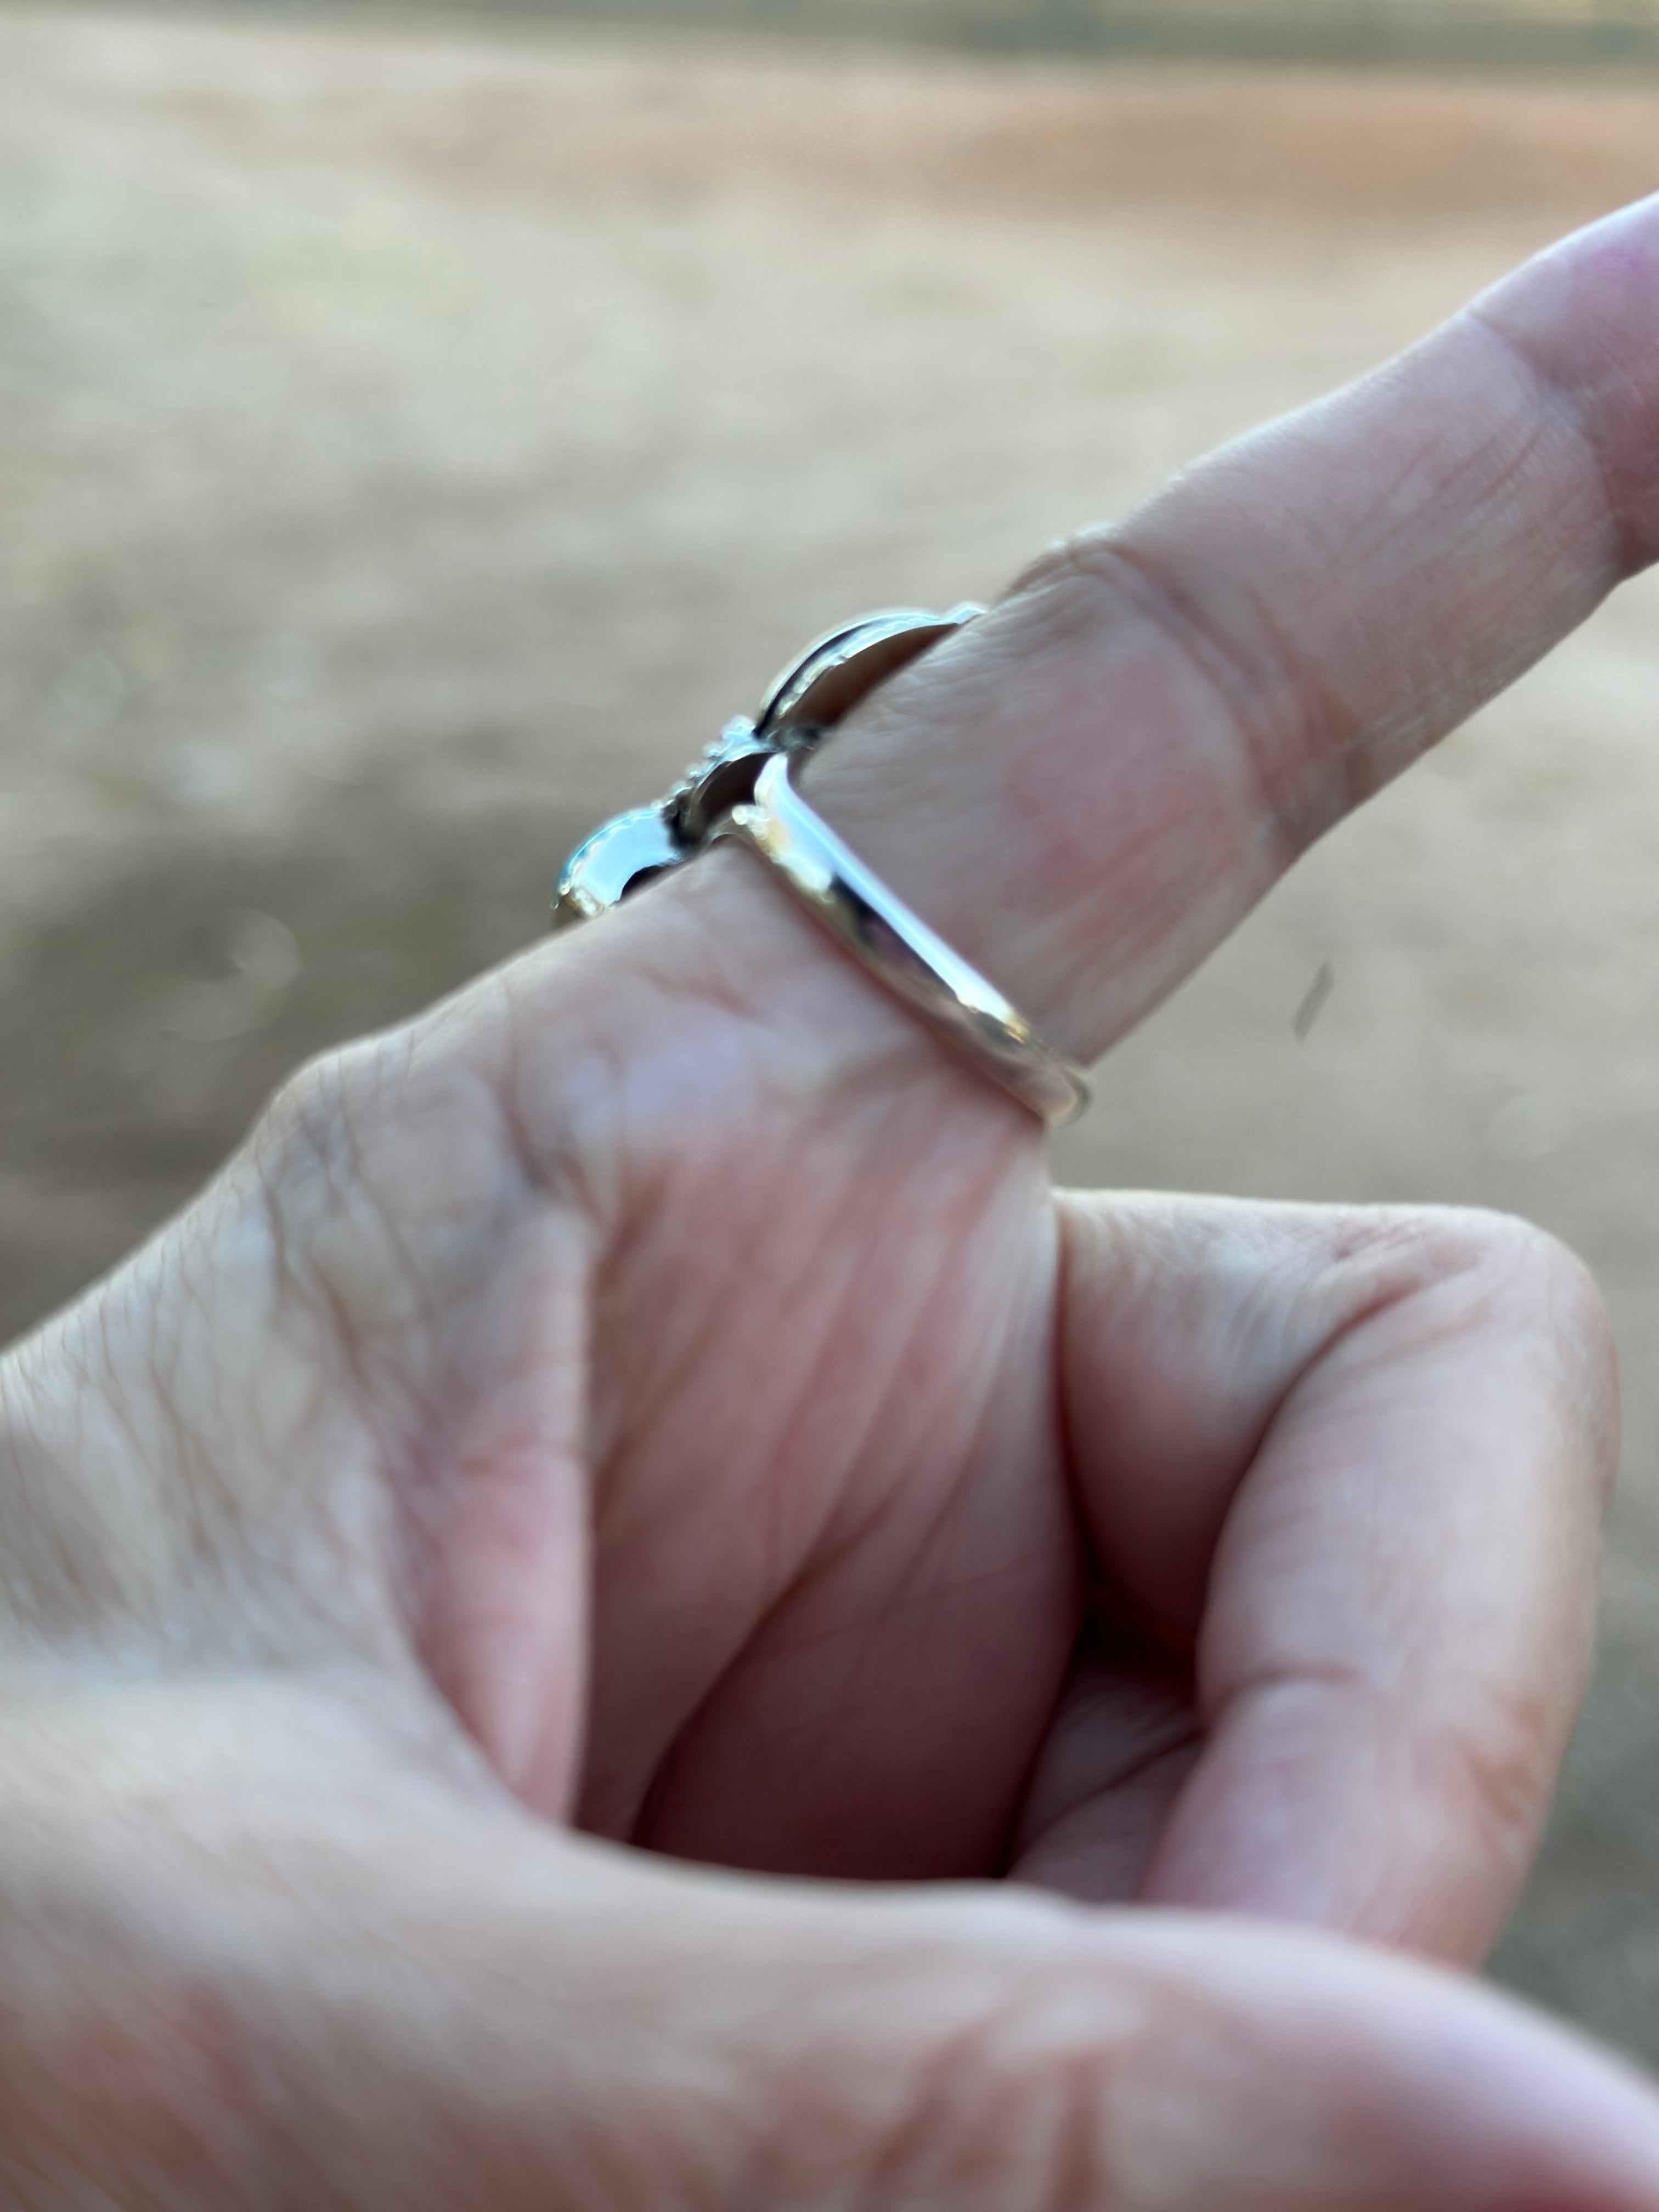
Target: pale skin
(654, 1409)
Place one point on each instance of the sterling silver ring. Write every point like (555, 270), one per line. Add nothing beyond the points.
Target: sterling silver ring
(741, 788)
(898, 948)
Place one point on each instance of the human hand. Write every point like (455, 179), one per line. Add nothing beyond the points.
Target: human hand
(656, 1400)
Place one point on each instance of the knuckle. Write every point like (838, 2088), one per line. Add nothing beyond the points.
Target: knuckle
(1500, 1262)
(307, 1134)
(1097, 581)
(1079, 564)
(1539, 1288)
(1289, 728)
(1502, 1286)
(309, 1153)
(389, 1172)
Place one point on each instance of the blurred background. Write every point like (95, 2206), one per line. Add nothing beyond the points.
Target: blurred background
(419, 431)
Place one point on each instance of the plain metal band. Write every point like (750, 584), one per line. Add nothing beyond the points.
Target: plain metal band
(899, 949)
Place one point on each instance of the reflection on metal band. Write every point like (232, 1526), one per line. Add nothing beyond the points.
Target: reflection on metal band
(899, 949)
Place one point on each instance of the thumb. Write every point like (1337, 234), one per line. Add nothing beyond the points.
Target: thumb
(634, 2034)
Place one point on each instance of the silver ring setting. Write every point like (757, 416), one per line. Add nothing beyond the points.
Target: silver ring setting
(802, 704)
(741, 788)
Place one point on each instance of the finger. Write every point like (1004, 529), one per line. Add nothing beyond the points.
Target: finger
(576, 2029)
(1362, 1455)
(1084, 791)
(285, 1947)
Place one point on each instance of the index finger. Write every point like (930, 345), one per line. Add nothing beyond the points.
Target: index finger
(1085, 791)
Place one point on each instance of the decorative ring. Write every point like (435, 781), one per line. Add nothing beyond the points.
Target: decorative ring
(898, 948)
(801, 706)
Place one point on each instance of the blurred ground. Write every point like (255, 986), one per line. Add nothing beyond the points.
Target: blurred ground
(412, 445)
(1433, 33)
(1549, 34)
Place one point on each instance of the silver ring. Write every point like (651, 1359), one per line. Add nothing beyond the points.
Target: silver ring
(898, 948)
(801, 706)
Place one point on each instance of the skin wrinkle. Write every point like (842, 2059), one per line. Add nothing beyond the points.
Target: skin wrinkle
(215, 1522)
(1105, 1224)
(610, 1552)
(1252, 686)
(603, 1175)
(1495, 1767)
(1065, 1830)
(358, 1186)
(1418, 1256)
(1164, 1722)
(47, 1577)
(620, 1502)
(938, 2137)
(385, 1212)
(835, 1544)
(929, 1532)
(547, 1191)
(339, 1074)
(901, 1379)
(946, 1501)
(808, 1252)
(1081, 2160)
(1113, 563)
(1434, 1268)
(1430, 477)
(125, 1595)
(1029, 2089)
(790, 1589)
(1442, 693)
(421, 1481)
(218, 1535)
(631, 1244)
(562, 1183)
(1631, 547)
(291, 1128)
(1429, 1267)
(285, 1284)
(736, 1257)
(414, 1435)
(1244, 1870)
(856, 1632)
(518, 1485)
(421, 1448)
